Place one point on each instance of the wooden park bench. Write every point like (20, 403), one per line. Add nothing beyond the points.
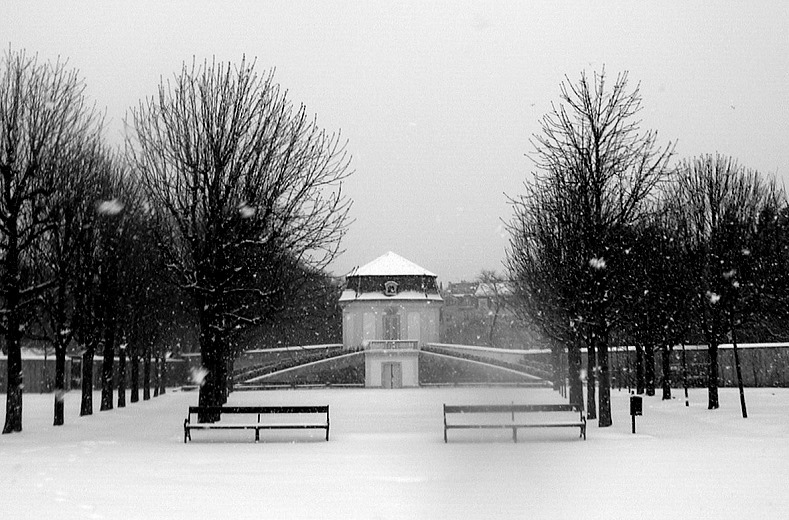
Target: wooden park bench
(260, 411)
(495, 410)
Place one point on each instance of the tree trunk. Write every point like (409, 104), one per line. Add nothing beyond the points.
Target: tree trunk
(211, 391)
(574, 374)
(121, 377)
(146, 373)
(604, 377)
(228, 377)
(135, 376)
(13, 336)
(163, 376)
(712, 378)
(86, 405)
(666, 351)
(13, 407)
(685, 374)
(14, 386)
(156, 375)
(556, 361)
(107, 368)
(591, 380)
(639, 369)
(649, 369)
(60, 384)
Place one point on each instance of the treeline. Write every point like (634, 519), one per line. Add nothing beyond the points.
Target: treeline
(613, 240)
(224, 202)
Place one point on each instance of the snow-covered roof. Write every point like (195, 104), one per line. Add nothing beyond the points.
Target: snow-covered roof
(390, 264)
(351, 295)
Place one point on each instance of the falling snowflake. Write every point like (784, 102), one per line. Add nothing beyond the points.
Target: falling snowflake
(597, 263)
(746, 252)
(109, 207)
(60, 396)
(198, 375)
(714, 298)
(729, 274)
(246, 211)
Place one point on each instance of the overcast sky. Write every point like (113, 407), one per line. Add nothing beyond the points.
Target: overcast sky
(438, 100)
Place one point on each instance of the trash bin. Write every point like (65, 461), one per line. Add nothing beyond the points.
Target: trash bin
(636, 405)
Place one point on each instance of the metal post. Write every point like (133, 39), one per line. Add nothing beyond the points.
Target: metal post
(737, 366)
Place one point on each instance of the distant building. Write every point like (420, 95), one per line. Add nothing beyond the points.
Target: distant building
(390, 307)
(482, 314)
(479, 295)
(490, 295)
(460, 294)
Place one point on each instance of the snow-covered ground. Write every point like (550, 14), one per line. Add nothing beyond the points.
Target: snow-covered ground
(386, 458)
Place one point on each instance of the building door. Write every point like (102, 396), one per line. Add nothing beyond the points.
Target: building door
(391, 375)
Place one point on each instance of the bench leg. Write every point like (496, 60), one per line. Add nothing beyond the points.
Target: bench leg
(514, 434)
(327, 434)
(257, 435)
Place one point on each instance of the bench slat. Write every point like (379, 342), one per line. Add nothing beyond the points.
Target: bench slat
(256, 426)
(259, 410)
(222, 426)
(513, 425)
(508, 408)
(512, 409)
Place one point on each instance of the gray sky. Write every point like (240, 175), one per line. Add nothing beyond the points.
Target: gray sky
(438, 100)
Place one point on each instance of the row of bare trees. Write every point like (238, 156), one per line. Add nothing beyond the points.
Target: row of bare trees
(78, 267)
(226, 197)
(610, 241)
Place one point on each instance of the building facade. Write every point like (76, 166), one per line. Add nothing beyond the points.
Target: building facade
(390, 307)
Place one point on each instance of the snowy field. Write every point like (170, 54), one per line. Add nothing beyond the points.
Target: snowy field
(386, 459)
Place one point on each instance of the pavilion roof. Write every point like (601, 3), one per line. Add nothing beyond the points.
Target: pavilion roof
(390, 264)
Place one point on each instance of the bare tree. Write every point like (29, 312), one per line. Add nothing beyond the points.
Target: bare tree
(536, 263)
(58, 260)
(95, 287)
(721, 208)
(42, 114)
(241, 180)
(659, 303)
(146, 303)
(600, 170)
(496, 290)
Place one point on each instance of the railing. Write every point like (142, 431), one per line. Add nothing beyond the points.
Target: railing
(391, 344)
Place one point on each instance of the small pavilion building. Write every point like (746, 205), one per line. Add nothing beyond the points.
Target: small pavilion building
(390, 307)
